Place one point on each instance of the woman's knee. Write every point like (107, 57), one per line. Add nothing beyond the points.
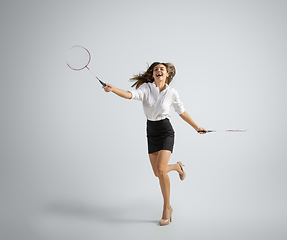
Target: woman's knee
(161, 170)
(155, 172)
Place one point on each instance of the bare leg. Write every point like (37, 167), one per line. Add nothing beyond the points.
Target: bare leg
(171, 167)
(162, 162)
(174, 167)
(153, 162)
(159, 162)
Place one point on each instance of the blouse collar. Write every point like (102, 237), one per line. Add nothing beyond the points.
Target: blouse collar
(166, 86)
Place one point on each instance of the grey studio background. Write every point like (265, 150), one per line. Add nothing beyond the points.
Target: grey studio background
(74, 163)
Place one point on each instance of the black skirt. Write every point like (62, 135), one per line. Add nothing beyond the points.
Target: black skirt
(160, 135)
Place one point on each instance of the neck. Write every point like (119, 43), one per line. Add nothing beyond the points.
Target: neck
(160, 84)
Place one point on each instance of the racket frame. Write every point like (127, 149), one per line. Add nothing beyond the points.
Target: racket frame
(78, 69)
(86, 66)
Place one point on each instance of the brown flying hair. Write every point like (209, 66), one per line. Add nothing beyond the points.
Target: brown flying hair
(146, 77)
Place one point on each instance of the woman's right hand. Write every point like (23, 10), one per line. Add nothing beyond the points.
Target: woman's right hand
(108, 87)
(117, 91)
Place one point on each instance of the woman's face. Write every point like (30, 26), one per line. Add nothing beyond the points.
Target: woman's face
(160, 72)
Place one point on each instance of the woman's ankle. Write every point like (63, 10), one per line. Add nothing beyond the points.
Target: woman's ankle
(166, 206)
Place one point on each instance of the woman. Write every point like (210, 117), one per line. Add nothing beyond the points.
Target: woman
(152, 88)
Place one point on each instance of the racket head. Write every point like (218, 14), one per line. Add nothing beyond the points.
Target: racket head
(78, 57)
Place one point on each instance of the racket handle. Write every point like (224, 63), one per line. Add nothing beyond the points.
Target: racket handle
(102, 83)
(206, 131)
(96, 77)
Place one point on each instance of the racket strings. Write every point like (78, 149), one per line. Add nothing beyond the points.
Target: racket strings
(78, 58)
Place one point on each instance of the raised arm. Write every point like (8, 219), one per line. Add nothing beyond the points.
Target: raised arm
(117, 91)
(185, 116)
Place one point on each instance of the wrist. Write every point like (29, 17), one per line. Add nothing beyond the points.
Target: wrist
(113, 89)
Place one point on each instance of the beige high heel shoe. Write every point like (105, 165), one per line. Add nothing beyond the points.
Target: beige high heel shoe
(181, 176)
(164, 222)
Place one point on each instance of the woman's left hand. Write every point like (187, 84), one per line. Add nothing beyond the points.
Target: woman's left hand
(201, 130)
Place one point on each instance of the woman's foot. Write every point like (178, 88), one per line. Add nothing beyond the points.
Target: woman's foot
(181, 173)
(166, 216)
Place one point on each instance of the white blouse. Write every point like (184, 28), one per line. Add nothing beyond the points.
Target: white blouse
(157, 104)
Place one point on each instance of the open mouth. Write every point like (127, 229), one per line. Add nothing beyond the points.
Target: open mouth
(159, 75)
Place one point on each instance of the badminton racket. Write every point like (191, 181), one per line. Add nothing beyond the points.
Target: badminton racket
(232, 130)
(78, 58)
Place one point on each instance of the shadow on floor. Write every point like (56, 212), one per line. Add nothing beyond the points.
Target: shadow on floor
(119, 215)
